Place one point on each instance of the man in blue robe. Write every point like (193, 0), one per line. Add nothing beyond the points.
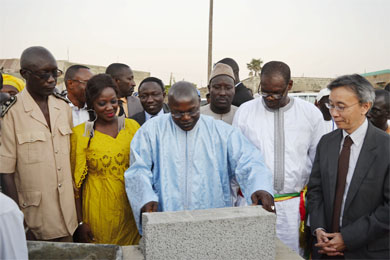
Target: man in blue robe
(186, 161)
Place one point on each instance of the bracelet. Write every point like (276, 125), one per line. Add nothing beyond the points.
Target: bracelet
(80, 223)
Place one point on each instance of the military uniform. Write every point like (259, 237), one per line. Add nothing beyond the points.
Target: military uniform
(39, 158)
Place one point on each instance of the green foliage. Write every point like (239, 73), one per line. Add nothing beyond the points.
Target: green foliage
(254, 66)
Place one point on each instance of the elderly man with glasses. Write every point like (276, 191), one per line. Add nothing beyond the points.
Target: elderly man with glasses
(286, 130)
(186, 161)
(35, 151)
(348, 191)
(76, 78)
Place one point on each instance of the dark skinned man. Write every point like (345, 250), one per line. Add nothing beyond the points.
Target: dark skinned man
(380, 111)
(124, 78)
(286, 130)
(221, 88)
(76, 78)
(242, 93)
(151, 94)
(321, 100)
(34, 155)
(184, 150)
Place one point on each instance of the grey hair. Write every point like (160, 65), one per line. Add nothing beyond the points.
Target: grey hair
(358, 84)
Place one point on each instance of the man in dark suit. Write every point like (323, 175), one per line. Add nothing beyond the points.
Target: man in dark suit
(242, 93)
(348, 191)
(151, 94)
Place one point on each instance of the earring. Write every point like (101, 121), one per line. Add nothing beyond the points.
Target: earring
(93, 113)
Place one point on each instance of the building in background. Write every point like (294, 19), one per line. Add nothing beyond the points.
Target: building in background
(12, 67)
(379, 79)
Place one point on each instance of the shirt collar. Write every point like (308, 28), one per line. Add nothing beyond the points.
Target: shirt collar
(358, 135)
(148, 116)
(73, 106)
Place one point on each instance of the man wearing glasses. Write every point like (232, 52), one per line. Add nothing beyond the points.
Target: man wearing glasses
(286, 130)
(76, 78)
(348, 191)
(34, 155)
(186, 161)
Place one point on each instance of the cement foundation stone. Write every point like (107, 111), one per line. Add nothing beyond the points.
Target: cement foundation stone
(54, 250)
(225, 233)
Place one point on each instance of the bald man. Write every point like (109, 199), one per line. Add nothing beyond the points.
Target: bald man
(34, 155)
(186, 161)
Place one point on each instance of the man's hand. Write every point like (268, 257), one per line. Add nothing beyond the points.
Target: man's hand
(331, 244)
(151, 206)
(265, 198)
(84, 234)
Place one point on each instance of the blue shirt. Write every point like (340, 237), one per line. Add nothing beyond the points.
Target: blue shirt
(187, 170)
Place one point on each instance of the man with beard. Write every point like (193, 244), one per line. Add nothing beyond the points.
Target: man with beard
(242, 93)
(221, 88)
(207, 155)
(35, 151)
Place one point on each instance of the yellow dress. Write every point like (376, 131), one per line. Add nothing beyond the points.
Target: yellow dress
(99, 170)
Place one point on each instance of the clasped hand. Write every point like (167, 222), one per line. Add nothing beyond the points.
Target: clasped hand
(331, 244)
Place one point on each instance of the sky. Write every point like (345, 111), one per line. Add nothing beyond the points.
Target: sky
(316, 38)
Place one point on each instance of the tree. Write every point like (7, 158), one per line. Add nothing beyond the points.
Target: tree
(254, 66)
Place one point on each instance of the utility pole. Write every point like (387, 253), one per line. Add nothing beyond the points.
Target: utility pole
(210, 51)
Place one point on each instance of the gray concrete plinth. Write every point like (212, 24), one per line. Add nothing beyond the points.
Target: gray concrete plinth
(56, 250)
(225, 233)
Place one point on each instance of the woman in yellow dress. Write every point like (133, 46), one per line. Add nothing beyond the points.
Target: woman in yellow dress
(99, 157)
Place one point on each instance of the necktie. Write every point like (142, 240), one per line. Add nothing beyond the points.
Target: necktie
(341, 179)
(121, 109)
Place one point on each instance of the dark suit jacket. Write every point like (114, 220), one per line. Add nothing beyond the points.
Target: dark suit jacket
(242, 95)
(365, 223)
(140, 117)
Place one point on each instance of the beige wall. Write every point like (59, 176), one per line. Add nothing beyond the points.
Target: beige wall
(12, 66)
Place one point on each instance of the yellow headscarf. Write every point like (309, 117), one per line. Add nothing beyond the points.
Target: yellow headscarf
(13, 81)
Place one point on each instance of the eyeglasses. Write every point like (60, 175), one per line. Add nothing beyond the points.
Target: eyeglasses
(274, 96)
(178, 115)
(80, 81)
(46, 75)
(339, 108)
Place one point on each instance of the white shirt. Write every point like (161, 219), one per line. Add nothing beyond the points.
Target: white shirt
(358, 138)
(13, 243)
(330, 126)
(303, 126)
(79, 115)
(149, 116)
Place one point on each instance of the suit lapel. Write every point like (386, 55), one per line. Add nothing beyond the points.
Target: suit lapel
(365, 159)
(333, 152)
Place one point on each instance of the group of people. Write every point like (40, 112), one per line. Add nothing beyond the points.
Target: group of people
(83, 165)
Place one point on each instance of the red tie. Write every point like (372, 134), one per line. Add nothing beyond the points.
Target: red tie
(341, 179)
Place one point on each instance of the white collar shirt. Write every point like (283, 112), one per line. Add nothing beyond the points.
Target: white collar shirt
(358, 139)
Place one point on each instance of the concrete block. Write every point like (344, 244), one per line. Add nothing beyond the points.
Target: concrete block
(224, 233)
(56, 250)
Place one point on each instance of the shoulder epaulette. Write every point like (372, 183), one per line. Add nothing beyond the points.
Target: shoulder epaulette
(58, 95)
(7, 105)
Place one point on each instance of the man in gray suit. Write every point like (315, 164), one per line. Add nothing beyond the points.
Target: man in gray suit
(348, 191)
(151, 94)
